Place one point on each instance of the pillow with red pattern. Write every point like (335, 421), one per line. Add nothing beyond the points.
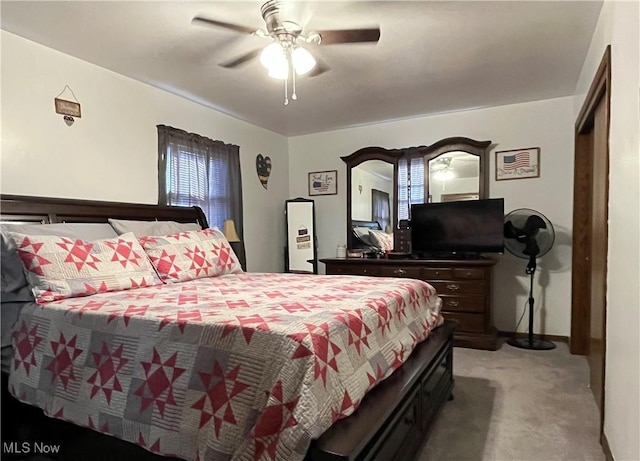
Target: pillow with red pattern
(62, 267)
(191, 255)
(381, 239)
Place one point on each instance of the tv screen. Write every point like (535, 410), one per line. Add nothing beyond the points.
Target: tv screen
(451, 228)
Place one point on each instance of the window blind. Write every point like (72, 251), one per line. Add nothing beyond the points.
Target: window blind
(410, 185)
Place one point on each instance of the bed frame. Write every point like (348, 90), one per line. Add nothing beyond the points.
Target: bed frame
(391, 423)
(354, 242)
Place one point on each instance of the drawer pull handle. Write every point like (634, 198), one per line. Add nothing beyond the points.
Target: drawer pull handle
(399, 271)
(411, 420)
(453, 303)
(453, 287)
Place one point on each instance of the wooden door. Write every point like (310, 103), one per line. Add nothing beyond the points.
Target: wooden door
(598, 252)
(590, 230)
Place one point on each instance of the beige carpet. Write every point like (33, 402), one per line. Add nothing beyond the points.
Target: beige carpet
(517, 405)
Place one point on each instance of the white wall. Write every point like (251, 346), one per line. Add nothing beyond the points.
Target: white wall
(618, 26)
(545, 124)
(111, 152)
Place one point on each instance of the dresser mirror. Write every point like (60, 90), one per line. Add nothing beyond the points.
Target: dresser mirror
(457, 169)
(449, 170)
(371, 197)
(372, 193)
(454, 176)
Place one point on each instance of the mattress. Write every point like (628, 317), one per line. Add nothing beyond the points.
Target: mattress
(242, 367)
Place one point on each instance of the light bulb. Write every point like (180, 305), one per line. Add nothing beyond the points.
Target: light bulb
(274, 58)
(279, 71)
(303, 61)
(272, 55)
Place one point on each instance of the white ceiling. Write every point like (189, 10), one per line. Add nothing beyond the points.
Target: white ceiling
(432, 57)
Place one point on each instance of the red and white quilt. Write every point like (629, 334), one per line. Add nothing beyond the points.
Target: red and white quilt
(241, 366)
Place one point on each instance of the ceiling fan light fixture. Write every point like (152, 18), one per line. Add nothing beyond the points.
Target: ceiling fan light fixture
(273, 56)
(280, 71)
(303, 61)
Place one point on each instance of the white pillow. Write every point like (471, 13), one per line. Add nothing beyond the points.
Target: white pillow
(363, 234)
(154, 228)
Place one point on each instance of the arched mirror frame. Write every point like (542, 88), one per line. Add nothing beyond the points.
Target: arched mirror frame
(390, 156)
(470, 146)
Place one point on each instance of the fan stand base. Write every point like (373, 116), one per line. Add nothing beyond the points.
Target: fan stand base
(536, 344)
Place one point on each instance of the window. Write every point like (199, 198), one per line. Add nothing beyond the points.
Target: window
(194, 170)
(410, 184)
(380, 211)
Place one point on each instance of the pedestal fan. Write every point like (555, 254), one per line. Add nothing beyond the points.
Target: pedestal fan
(529, 235)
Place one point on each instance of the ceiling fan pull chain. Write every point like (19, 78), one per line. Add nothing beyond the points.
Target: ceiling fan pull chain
(286, 91)
(294, 96)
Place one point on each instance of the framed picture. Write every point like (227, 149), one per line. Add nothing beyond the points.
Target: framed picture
(323, 182)
(518, 163)
(65, 107)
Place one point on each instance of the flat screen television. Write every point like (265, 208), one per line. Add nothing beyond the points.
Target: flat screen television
(457, 229)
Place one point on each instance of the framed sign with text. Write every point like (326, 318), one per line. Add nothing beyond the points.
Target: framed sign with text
(518, 163)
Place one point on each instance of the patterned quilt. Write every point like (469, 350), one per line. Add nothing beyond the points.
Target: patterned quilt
(240, 367)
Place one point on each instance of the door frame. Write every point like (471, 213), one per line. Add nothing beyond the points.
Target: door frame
(582, 197)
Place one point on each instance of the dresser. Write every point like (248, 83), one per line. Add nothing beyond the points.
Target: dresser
(463, 285)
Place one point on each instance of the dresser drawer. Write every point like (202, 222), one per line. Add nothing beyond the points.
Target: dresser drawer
(463, 303)
(458, 287)
(400, 271)
(468, 322)
(333, 269)
(432, 385)
(352, 269)
(468, 273)
(430, 273)
(404, 432)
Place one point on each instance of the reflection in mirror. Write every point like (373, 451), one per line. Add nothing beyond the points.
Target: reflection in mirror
(372, 193)
(454, 176)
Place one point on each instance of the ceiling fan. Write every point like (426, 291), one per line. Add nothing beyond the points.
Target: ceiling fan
(286, 56)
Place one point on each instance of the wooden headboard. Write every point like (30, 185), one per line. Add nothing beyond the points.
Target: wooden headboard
(354, 242)
(369, 224)
(17, 208)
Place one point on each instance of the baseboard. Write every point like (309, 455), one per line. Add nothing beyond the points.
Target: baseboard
(510, 334)
(605, 447)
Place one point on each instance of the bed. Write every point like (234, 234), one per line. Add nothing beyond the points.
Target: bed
(228, 367)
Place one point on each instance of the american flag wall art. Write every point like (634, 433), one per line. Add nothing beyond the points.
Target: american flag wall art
(518, 163)
(521, 159)
(323, 182)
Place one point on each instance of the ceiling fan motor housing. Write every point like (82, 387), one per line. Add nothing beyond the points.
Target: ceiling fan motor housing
(283, 30)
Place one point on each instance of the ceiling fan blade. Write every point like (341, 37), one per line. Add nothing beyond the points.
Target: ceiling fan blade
(331, 37)
(320, 68)
(241, 59)
(227, 25)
